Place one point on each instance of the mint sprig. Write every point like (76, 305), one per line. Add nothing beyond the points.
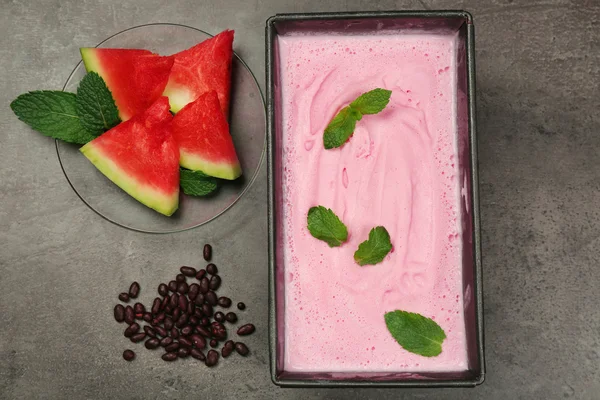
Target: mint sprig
(343, 124)
(66, 116)
(95, 105)
(52, 113)
(324, 225)
(196, 183)
(415, 333)
(374, 249)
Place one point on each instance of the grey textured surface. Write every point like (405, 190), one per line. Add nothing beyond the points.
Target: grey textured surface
(61, 265)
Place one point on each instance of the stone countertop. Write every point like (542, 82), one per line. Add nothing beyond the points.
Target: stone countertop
(61, 265)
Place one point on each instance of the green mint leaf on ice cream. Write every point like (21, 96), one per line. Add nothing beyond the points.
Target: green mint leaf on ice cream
(342, 125)
(196, 183)
(374, 250)
(52, 113)
(324, 225)
(415, 333)
(95, 105)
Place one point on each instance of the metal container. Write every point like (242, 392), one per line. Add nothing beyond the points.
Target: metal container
(449, 22)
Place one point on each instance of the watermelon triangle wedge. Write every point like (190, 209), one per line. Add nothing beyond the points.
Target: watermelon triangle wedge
(205, 144)
(203, 67)
(136, 78)
(141, 157)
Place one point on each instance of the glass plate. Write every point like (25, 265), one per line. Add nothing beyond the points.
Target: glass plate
(247, 125)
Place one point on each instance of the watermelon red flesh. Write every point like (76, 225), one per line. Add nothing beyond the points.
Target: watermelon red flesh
(202, 133)
(204, 67)
(141, 157)
(135, 77)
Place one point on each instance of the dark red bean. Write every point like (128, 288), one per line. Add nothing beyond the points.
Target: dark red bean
(197, 354)
(152, 343)
(226, 351)
(186, 330)
(212, 269)
(128, 355)
(214, 343)
(242, 349)
(165, 302)
(175, 333)
(193, 291)
(149, 331)
(231, 317)
(219, 316)
(168, 323)
(245, 329)
(188, 271)
(176, 314)
(163, 289)
(212, 358)
(124, 297)
(203, 331)
(182, 288)
(119, 312)
(174, 300)
(224, 302)
(205, 321)
(199, 300)
(207, 252)
(211, 298)
(172, 347)
(193, 320)
(182, 320)
(201, 274)
(131, 330)
(183, 352)
(198, 341)
(164, 342)
(129, 315)
(160, 317)
(190, 308)
(160, 331)
(185, 342)
(215, 282)
(147, 317)
(198, 313)
(207, 310)
(241, 306)
(139, 308)
(172, 286)
(134, 290)
(204, 283)
(229, 343)
(169, 356)
(218, 330)
(138, 337)
(180, 278)
(183, 302)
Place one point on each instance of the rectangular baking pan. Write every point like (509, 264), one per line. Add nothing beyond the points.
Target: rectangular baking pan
(460, 22)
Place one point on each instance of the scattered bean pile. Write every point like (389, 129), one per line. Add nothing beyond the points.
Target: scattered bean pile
(183, 319)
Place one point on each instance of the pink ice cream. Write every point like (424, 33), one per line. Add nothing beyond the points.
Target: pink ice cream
(399, 170)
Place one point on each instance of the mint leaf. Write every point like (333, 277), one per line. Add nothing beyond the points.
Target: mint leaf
(325, 225)
(342, 125)
(372, 102)
(52, 113)
(340, 128)
(374, 250)
(196, 183)
(415, 333)
(95, 105)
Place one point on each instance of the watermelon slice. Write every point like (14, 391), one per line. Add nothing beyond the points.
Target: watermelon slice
(202, 133)
(204, 67)
(141, 157)
(135, 77)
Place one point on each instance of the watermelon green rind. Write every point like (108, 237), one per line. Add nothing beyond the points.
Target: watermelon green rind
(223, 170)
(163, 203)
(90, 62)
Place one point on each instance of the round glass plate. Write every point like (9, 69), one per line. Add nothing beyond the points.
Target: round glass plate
(248, 129)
